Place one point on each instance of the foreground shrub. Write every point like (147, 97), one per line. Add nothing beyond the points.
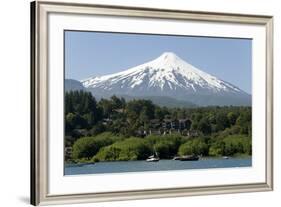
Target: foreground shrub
(237, 144)
(231, 145)
(166, 145)
(195, 146)
(129, 149)
(87, 147)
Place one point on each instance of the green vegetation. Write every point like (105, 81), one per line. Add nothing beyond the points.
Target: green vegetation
(231, 145)
(166, 145)
(113, 129)
(195, 146)
(130, 149)
(87, 147)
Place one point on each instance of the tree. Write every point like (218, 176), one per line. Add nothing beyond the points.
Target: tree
(159, 113)
(69, 122)
(221, 121)
(204, 126)
(231, 116)
(237, 144)
(188, 124)
(163, 150)
(244, 121)
(81, 108)
(129, 149)
(106, 106)
(186, 149)
(87, 147)
(196, 146)
(194, 125)
(75, 121)
(216, 150)
(117, 103)
(138, 113)
(97, 129)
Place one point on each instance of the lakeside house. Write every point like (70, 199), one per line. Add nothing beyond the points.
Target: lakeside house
(167, 126)
(106, 121)
(160, 127)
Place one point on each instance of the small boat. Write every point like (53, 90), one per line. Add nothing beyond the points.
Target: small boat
(176, 158)
(225, 157)
(189, 158)
(153, 158)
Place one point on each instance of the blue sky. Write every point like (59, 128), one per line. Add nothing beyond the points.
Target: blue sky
(96, 53)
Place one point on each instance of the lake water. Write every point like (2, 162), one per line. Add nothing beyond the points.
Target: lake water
(141, 166)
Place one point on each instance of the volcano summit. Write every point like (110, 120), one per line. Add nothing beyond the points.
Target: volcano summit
(168, 76)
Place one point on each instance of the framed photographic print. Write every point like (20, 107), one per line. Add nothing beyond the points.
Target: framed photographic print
(135, 103)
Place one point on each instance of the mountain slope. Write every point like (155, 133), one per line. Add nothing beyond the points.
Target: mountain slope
(163, 101)
(169, 75)
(73, 85)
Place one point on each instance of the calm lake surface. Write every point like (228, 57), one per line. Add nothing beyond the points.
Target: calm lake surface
(141, 166)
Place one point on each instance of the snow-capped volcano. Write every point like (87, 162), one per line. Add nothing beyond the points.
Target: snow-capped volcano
(167, 75)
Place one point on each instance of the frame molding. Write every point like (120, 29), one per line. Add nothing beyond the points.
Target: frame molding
(39, 99)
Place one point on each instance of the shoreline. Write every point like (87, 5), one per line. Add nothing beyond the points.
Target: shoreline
(201, 158)
(162, 165)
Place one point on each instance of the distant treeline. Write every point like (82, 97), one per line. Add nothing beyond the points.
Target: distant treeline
(219, 130)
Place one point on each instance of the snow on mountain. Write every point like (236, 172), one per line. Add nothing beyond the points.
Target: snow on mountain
(168, 75)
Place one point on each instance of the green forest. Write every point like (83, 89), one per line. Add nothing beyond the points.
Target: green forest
(115, 129)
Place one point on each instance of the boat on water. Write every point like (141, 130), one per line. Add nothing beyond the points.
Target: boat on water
(153, 158)
(176, 158)
(225, 157)
(189, 158)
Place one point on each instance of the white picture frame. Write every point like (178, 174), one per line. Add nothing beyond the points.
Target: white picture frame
(49, 20)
